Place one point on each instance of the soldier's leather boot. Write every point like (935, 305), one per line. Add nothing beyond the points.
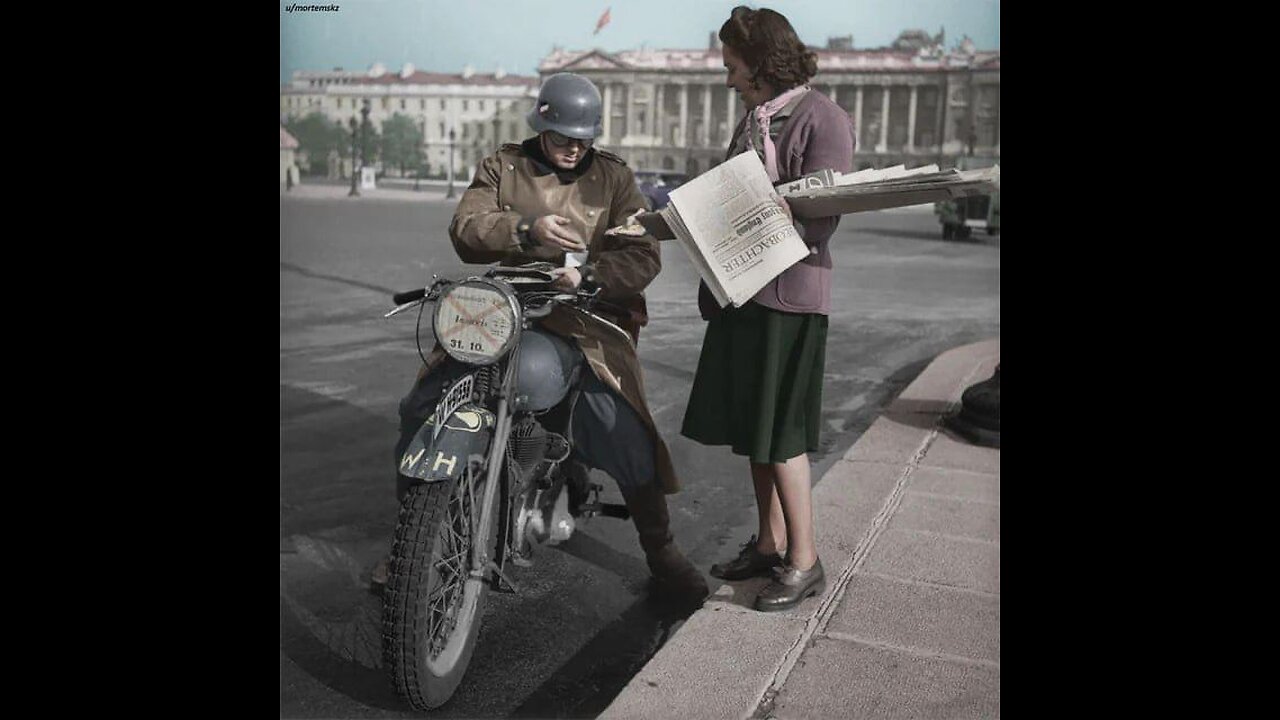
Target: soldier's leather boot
(674, 575)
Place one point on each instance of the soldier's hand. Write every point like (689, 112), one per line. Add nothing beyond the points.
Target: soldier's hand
(786, 206)
(566, 279)
(556, 232)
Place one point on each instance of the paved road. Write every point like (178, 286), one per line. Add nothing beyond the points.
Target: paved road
(580, 626)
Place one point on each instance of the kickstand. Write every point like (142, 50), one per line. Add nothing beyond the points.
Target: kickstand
(502, 577)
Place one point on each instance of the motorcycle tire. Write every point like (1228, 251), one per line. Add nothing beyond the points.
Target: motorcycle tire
(432, 607)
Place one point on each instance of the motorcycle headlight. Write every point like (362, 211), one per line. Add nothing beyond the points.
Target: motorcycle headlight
(476, 321)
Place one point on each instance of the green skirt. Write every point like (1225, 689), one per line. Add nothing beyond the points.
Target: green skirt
(759, 383)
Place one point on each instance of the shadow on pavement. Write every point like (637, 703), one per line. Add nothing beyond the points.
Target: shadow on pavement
(336, 510)
(587, 682)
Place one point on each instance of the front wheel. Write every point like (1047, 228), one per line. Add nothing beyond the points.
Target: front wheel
(432, 605)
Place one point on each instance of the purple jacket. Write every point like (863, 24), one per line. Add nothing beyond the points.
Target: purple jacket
(818, 135)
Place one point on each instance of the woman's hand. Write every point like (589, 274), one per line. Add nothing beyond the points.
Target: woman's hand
(556, 232)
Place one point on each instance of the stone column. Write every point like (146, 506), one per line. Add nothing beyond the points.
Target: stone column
(608, 109)
(684, 116)
(883, 145)
(911, 121)
(705, 140)
(857, 115)
(631, 109)
(728, 114)
(660, 128)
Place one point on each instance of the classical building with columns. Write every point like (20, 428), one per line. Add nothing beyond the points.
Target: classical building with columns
(466, 103)
(914, 103)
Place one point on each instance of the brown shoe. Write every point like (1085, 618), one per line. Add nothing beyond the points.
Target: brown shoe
(749, 563)
(790, 586)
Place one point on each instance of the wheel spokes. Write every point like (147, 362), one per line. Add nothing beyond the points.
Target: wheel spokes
(451, 567)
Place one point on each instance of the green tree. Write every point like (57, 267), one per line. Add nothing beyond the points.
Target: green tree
(316, 136)
(401, 142)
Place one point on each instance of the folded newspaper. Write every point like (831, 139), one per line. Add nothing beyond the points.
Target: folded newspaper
(735, 233)
(831, 193)
(739, 238)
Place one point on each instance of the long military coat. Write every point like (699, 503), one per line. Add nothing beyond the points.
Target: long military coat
(511, 188)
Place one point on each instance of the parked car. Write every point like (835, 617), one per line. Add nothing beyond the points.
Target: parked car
(656, 185)
(961, 216)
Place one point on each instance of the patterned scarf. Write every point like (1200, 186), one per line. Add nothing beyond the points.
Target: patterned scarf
(761, 115)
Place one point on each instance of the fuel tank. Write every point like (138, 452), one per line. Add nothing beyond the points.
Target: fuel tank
(548, 366)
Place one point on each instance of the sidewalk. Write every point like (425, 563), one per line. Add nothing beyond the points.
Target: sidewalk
(908, 527)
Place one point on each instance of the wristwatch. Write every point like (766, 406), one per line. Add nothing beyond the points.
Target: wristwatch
(522, 234)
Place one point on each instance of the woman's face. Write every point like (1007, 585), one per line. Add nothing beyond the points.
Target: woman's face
(739, 79)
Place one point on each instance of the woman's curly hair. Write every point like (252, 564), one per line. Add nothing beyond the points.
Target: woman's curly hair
(770, 47)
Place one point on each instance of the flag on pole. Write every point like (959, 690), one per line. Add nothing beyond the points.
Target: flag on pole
(604, 20)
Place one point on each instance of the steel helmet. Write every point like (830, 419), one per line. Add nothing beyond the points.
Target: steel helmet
(570, 105)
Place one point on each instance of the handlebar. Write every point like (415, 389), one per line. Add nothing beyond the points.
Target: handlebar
(409, 296)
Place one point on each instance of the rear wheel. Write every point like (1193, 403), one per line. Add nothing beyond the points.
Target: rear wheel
(432, 606)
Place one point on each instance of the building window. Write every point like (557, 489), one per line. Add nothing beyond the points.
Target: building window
(441, 104)
(899, 115)
(464, 131)
(386, 103)
(987, 115)
(466, 105)
(872, 117)
(401, 103)
(927, 117)
(441, 131)
(422, 104)
(479, 131)
(515, 131)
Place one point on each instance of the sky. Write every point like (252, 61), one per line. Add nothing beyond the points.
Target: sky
(447, 35)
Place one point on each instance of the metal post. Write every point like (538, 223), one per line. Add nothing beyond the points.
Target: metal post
(355, 191)
(452, 135)
(364, 137)
(417, 170)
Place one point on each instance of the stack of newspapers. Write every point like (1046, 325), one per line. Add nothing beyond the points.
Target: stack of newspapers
(831, 193)
(738, 236)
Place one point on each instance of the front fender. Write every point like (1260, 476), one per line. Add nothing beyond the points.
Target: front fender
(433, 457)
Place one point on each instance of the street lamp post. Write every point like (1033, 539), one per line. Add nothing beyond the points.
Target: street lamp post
(355, 191)
(417, 170)
(452, 135)
(364, 136)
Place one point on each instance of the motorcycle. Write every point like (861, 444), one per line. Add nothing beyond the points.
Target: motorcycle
(489, 468)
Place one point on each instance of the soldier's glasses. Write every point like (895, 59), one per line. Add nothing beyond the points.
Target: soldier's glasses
(562, 141)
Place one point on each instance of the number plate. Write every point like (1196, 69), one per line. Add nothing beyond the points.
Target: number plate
(458, 394)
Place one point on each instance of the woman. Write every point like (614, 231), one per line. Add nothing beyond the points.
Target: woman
(758, 387)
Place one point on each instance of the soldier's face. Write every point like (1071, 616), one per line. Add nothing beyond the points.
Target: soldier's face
(564, 152)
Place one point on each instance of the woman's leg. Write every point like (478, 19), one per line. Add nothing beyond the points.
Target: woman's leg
(773, 527)
(796, 496)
